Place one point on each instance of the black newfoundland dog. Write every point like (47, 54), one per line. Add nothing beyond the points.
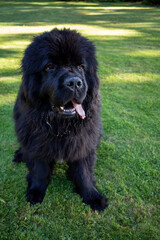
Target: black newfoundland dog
(57, 113)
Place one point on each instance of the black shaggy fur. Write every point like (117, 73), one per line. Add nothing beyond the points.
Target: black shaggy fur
(45, 135)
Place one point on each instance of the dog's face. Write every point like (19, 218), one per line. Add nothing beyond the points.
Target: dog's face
(61, 65)
(66, 88)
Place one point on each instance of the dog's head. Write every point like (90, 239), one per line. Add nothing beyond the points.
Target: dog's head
(59, 71)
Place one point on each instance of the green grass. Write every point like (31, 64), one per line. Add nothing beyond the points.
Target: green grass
(128, 168)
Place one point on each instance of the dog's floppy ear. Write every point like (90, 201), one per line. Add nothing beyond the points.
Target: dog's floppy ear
(31, 85)
(93, 94)
(92, 65)
(92, 80)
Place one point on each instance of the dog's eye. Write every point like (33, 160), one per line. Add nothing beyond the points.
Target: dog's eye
(81, 67)
(49, 66)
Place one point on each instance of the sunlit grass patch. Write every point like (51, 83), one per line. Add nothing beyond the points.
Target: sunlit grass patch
(87, 30)
(144, 53)
(130, 77)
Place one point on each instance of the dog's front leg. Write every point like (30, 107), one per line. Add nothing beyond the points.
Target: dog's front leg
(81, 173)
(38, 180)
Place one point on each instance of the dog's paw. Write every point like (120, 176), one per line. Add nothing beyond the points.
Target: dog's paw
(97, 202)
(34, 196)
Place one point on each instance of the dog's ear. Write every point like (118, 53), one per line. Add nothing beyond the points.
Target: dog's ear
(92, 81)
(92, 65)
(93, 93)
(31, 85)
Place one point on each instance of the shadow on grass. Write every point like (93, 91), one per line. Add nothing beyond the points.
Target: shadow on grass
(7, 53)
(141, 21)
(11, 87)
(110, 15)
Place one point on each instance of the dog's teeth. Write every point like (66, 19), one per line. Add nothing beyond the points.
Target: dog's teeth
(69, 110)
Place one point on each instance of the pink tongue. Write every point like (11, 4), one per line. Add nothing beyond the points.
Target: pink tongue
(79, 109)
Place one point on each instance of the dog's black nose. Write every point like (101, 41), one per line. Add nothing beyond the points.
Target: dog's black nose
(73, 83)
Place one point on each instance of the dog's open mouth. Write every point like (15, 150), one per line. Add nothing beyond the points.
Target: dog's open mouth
(71, 108)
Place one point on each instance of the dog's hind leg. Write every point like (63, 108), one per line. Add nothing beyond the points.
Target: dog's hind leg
(18, 156)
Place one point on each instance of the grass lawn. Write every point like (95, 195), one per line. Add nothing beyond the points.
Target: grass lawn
(127, 38)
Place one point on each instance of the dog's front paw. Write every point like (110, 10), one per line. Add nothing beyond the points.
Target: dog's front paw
(97, 202)
(34, 196)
